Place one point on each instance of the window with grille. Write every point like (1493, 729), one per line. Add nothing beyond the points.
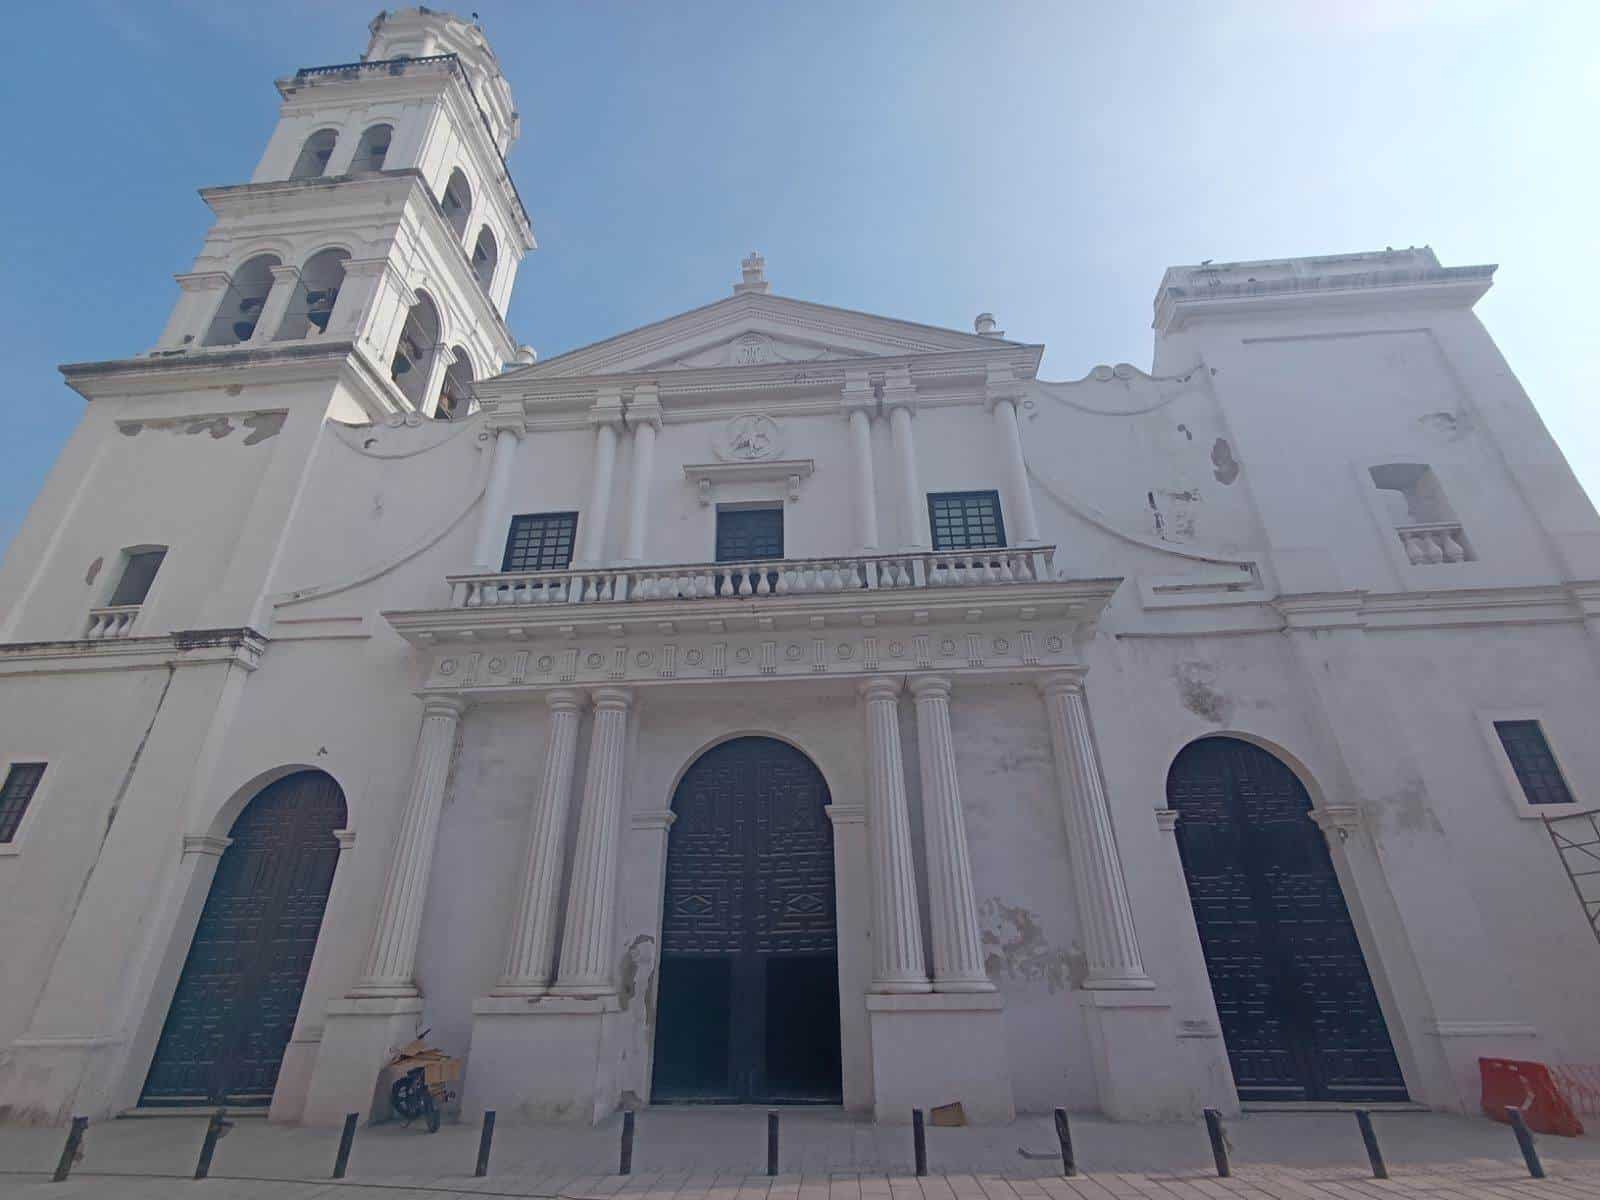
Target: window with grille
(540, 542)
(22, 780)
(138, 573)
(749, 533)
(966, 520)
(1533, 762)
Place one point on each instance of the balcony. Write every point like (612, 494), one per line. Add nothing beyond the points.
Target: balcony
(114, 622)
(788, 577)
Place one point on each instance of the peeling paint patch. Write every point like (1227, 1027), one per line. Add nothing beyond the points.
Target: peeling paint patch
(1197, 689)
(1446, 426)
(263, 426)
(130, 428)
(217, 427)
(94, 570)
(1014, 947)
(640, 958)
(1225, 466)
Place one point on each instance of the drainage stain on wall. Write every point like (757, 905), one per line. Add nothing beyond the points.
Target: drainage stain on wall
(1198, 691)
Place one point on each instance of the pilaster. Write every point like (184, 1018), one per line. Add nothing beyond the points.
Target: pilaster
(1002, 394)
(200, 293)
(858, 403)
(503, 430)
(606, 418)
(644, 419)
(900, 402)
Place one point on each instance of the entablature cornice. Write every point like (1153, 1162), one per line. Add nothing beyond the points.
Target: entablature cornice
(240, 647)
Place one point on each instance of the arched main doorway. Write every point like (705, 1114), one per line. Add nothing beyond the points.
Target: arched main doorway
(239, 993)
(748, 1003)
(1299, 1014)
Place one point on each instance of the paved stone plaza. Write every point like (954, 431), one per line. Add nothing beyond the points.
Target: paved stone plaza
(687, 1154)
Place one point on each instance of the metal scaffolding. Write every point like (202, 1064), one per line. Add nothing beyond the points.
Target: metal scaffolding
(1577, 842)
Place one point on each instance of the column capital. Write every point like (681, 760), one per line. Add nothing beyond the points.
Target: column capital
(607, 411)
(898, 390)
(203, 281)
(1065, 682)
(443, 706)
(565, 700)
(612, 699)
(284, 273)
(881, 687)
(933, 686)
(1336, 820)
(644, 407)
(857, 394)
(1167, 819)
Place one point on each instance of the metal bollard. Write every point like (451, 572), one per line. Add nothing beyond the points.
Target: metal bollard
(1219, 1142)
(919, 1141)
(485, 1141)
(1069, 1161)
(1369, 1138)
(1530, 1153)
(772, 1143)
(216, 1129)
(72, 1152)
(625, 1163)
(346, 1136)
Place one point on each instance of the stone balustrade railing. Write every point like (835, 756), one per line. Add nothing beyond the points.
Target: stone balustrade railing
(115, 622)
(1441, 542)
(773, 577)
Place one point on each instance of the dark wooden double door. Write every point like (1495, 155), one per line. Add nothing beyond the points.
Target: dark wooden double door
(236, 1002)
(748, 1001)
(1299, 1015)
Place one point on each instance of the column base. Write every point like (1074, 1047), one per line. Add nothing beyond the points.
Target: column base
(358, 1039)
(938, 1048)
(539, 1058)
(1138, 1071)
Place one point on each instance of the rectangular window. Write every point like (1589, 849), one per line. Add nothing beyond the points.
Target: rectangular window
(744, 534)
(1533, 762)
(966, 520)
(540, 542)
(137, 575)
(21, 783)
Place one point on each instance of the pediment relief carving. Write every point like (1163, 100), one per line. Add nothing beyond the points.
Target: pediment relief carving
(754, 349)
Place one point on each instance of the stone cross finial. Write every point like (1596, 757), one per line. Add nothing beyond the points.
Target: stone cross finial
(754, 269)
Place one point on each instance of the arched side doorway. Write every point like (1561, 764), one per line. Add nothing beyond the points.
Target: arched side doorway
(748, 1003)
(1299, 1014)
(239, 993)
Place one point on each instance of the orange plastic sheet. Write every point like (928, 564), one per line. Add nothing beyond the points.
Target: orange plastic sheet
(1510, 1083)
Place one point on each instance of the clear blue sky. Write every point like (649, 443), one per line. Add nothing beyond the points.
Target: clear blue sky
(924, 159)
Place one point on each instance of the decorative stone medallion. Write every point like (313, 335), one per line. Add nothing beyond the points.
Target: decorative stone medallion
(897, 649)
(644, 658)
(792, 651)
(447, 667)
(749, 438)
(1001, 645)
(693, 657)
(742, 654)
(595, 660)
(1053, 643)
(845, 650)
(948, 646)
(545, 663)
(496, 665)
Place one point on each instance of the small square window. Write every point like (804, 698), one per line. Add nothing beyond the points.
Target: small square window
(540, 542)
(138, 573)
(22, 780)
(1533, 762)
(966, 520)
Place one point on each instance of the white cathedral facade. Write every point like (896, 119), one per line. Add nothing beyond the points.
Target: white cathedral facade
(779, 703)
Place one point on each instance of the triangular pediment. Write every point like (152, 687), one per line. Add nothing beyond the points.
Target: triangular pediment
(756, 330)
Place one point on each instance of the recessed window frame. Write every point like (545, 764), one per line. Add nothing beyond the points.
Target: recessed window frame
(993, 494)
(125, 559)
(511, 537)
(1487, 721)
(19, 832)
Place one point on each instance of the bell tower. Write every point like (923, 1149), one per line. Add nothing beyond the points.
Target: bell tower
(381, 215)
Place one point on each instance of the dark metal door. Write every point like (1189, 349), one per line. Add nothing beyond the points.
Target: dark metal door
(748, 1007)
(1299, 1014)
(239, 993)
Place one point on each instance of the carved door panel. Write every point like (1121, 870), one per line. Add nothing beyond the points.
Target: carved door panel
(235, 1006)
(1299, 1013)
(748, 1007)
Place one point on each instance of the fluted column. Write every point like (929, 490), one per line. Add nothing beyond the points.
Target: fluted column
(644, 417)
(605, 416)
(530, 958)
(900, 398)
(586, 942)
(392, 960)
(1019, 494)
(489, 549)
(859, 404)
(957, 952)
(898, 964)
(1104, 913)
